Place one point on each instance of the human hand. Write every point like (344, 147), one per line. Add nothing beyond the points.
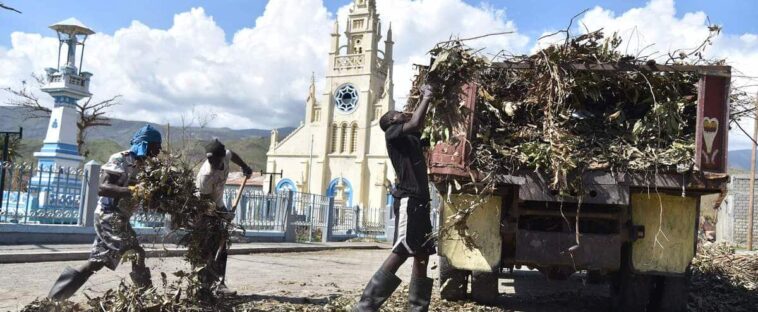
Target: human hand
(247, 171)
(135, 190)
(426, 91)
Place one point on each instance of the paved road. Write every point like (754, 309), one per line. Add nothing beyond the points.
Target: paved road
(312, 275)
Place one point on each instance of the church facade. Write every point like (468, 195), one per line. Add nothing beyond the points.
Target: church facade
(339, 149)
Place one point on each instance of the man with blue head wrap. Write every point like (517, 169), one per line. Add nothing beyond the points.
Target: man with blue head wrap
(142, 140)
(114, 234)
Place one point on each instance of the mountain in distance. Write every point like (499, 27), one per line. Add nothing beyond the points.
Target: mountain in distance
(250, 144)
(121, 130)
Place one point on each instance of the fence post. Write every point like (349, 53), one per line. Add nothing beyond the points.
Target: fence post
(89, 197)
(326, 233)
(357, 221)
(289, 227)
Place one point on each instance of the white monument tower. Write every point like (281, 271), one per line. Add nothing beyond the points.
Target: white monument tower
(66, 84)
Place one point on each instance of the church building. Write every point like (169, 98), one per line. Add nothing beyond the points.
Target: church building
(339, 149)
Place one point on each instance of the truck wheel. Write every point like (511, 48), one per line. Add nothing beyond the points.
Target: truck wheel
(484, 287)
(595, 277)
(630, 292)
(453, 283)
(671, 293)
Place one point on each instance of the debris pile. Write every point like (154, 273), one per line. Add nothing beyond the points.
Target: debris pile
(546, 115)
(166, 185)
(723, 280)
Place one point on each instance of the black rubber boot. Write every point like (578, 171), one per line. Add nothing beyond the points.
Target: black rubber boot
(220, 268)
(379, 288)
(68, 283)
(420, 294)
(222, 290)
(141, 277)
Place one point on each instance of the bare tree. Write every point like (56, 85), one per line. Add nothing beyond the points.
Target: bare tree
(91, 114)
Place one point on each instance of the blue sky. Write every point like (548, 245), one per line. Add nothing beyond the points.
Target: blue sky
(531, 17)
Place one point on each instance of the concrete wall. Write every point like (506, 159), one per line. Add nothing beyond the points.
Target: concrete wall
(733, 216)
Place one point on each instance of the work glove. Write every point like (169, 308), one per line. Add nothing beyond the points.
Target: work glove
(426, 91)
(247, 171)
(136, 190)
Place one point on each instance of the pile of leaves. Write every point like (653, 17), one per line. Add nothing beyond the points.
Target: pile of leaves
(546, 115)
(723, 280)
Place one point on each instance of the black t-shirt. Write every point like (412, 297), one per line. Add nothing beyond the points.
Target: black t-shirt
(408, 160)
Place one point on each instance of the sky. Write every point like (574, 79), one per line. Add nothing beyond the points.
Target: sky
(250, 62)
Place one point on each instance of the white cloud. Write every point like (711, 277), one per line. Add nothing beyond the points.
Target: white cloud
(260, 78)
(657, 23)
(257, 80)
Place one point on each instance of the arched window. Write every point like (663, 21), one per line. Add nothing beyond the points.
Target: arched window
(333, 148)
(353, 137)
(343, 139)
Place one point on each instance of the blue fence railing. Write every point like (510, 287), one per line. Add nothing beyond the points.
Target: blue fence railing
(40, 194)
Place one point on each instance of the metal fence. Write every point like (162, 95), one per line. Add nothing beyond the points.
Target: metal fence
(40, 194)
(55, 195)
(258, 211)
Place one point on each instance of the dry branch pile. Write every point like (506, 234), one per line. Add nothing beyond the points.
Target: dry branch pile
(166, 185)
(561, 121)
(723, 280)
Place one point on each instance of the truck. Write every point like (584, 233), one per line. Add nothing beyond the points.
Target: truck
(640, 231)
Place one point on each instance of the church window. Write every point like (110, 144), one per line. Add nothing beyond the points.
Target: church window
(316, 115)
(333, 148)
(357, 47)
(346, 98)
(353, 137)
(343, 139)
(357, 24)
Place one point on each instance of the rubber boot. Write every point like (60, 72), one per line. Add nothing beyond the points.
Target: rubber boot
(379, 288)
(141, 277)
(220, 268)
(68, 283)
(419, 294)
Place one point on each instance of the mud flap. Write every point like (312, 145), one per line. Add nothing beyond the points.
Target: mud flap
(670, 224)
(483, 228)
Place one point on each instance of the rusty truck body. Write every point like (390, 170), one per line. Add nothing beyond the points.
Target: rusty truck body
(638, 230)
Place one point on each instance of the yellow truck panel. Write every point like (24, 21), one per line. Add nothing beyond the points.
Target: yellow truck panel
(483, 226)
(670, 221)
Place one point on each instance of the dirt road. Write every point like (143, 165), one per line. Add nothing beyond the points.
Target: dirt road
(303, 277)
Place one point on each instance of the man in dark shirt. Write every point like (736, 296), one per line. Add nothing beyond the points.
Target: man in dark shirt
(413, 227)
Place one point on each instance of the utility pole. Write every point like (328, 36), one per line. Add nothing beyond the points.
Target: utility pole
(6, 146)
(751, 201)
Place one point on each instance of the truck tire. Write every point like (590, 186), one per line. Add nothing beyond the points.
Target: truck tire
(671, 293)
(484, 287)
(630, 292)
(453, 282)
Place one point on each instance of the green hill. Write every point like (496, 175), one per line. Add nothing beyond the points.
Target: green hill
(250, 144)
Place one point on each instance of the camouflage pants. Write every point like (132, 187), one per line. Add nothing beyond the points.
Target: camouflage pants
(115, 236)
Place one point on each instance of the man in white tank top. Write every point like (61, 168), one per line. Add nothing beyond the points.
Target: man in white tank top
(210, 181)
